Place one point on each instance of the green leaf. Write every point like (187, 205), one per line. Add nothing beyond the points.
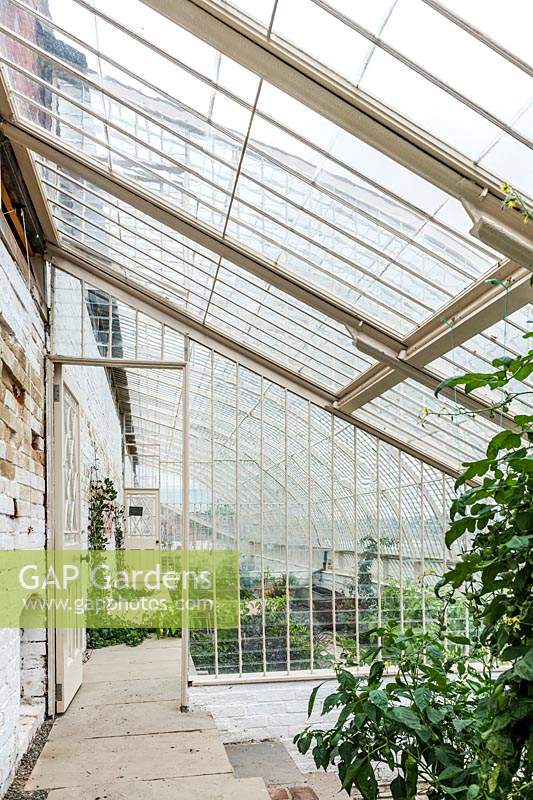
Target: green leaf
(361, 775)
(461, 724)
(502, 361)
(450, 772)
(312, 699)
(435, 715)
(473, 792)
(450, 383)
(524, 666)
(500, 722)
(446, 755)
(518, 543)
(398, 788)
(376, 672)
(407, 717)
(463, 570)
(456, 639)
(330, 702)
(505, 440)
(494, 777)
(458, 529)
(379, 698)
(303, 742)
(524, 520)
(524, 465)
(500, 745)
(422, 697)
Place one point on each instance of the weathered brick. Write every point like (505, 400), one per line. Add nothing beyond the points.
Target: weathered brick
(7, 469)
(7, 505)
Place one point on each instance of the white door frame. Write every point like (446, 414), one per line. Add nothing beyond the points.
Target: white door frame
(68, 677)
(54, 534)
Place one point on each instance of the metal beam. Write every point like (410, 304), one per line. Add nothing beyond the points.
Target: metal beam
(118, 363)
(35, 139)
(102, 276)
(350, 108)
(476, 309)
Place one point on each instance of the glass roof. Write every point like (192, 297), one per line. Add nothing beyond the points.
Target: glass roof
(222, 146)
(478, 102)
(215, 292)
(143, 100)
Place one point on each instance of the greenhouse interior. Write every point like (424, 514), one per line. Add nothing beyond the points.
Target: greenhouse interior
(266, 400)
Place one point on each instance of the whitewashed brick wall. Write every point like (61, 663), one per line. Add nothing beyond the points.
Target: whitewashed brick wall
(22, 513)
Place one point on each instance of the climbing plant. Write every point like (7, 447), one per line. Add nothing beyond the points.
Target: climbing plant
(457, 712)
(103, 511)
(106, 513)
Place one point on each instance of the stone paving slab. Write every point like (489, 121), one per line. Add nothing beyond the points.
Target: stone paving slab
(267, 760)
(147, 651)
(136, 691)
(115, 669)
(69, 762)
(127, 719)
(218, 787)
(326, 785)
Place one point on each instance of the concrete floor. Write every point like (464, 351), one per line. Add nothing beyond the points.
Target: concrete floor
(123, 737)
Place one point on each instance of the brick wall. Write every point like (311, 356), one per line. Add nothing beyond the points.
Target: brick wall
(22, 512)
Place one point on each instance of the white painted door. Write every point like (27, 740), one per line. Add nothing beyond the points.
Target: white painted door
(69, 641)
(142, 519)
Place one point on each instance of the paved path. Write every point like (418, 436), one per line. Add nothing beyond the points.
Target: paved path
(123, 737)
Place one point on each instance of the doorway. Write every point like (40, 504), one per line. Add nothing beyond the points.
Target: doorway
(107, 411)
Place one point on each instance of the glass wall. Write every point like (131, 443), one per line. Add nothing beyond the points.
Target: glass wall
(338, 531)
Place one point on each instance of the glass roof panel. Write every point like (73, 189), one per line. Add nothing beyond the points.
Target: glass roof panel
(275, 177)
(502, 22)
(477, 102)
(195, 130)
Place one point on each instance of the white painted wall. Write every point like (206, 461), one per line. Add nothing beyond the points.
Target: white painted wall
(22, 486)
